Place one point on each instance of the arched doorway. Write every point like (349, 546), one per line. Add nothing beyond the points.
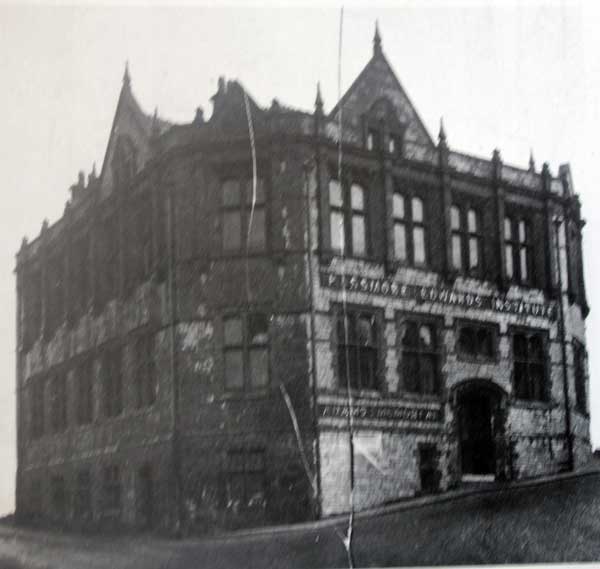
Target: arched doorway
(481, 420)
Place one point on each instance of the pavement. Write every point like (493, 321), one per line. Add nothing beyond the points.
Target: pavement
(556, 519)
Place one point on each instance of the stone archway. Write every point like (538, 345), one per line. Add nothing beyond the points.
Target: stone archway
(480, 408)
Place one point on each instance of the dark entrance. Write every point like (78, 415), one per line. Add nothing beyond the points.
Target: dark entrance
(481, 429)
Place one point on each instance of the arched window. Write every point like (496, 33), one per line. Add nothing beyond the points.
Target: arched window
(419, 367)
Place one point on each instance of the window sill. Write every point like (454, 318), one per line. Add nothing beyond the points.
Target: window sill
(419, 397)
(533, 404)
(479, 360)
(240, 395)
(360, 393)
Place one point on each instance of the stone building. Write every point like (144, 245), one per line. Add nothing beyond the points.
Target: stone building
(242, 318)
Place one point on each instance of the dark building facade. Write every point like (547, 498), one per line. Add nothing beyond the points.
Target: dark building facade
(242, 318)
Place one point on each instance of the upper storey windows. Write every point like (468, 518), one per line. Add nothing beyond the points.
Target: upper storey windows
(348, 218)
(517, 250)
(467, 239)
(409, 229)
(243, 215)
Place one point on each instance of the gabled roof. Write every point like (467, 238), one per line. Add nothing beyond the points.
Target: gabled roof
(131, 121)
(376, 81)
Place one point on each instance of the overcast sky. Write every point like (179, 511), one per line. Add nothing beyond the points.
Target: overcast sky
(511, 76)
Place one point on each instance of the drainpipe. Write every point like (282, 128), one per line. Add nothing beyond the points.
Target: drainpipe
(313, 341)
(563, 342)
(176, 452)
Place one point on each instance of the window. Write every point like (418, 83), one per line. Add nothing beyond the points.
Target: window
(80, 275)
(245, 475)
(145, 375)
(111, 490)
(107, 268)
(58, 496)
(37, 407)
(476, 341)
(246, 351)
(373, 139)
(112, 383)
(83, 495)
(357, 349)
(466, 239)
(84, 391)
(429, 468)
(409, 229)
(529, 355)
(579, 363)
(54, 292)
(244, 226)
(348, 218)
(398, 210)
(139, 242)
(394, 144)
(58, 404)
(145, 496)
(419, 364)
(517, 249)
(32, 306)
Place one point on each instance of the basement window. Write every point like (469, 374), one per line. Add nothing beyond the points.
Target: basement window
(245, 476)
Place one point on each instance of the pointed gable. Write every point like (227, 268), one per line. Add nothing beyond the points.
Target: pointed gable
(131, 134)
(377, 82)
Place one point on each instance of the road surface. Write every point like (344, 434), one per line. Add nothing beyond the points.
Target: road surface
(555, 522)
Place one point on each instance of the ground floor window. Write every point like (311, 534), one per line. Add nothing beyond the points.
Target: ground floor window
(428, 468)
(357, 348)
(529, 360)
(245, 478)
(419, 350)
(83, 494)
(111, 490)
(58, 496)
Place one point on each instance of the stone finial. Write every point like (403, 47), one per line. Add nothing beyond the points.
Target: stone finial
(45, 225)
(496, 157)
(81, 179)
(546, 169)
(24, 242)
(199, 118)
(92, 175)
(531, 161)
(126, 76)
(442, 133)
(319, 99)
(377, 50)
(222, 85)
(155, 130)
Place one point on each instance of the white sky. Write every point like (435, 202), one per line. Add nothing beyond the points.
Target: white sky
(511, 76)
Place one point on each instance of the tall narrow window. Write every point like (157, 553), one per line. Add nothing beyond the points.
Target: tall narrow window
(32, 304)
(111, 490)
(348, 219)
(80, 275)
(357, 349)
(529, 365)
(357, 200)
(456, 229)
(418, 229)
(419, 366)
(37, 407)
(509, 248)
(145, 375)
(399, 227)
(58, 495)
(474, 240)
(85, 402)
(55, 292)
(83, 495)
(58, 404)
(579, 363)
(517, 237)
(243, 210)
(246, 352)
(112, 383)
(107, 259)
